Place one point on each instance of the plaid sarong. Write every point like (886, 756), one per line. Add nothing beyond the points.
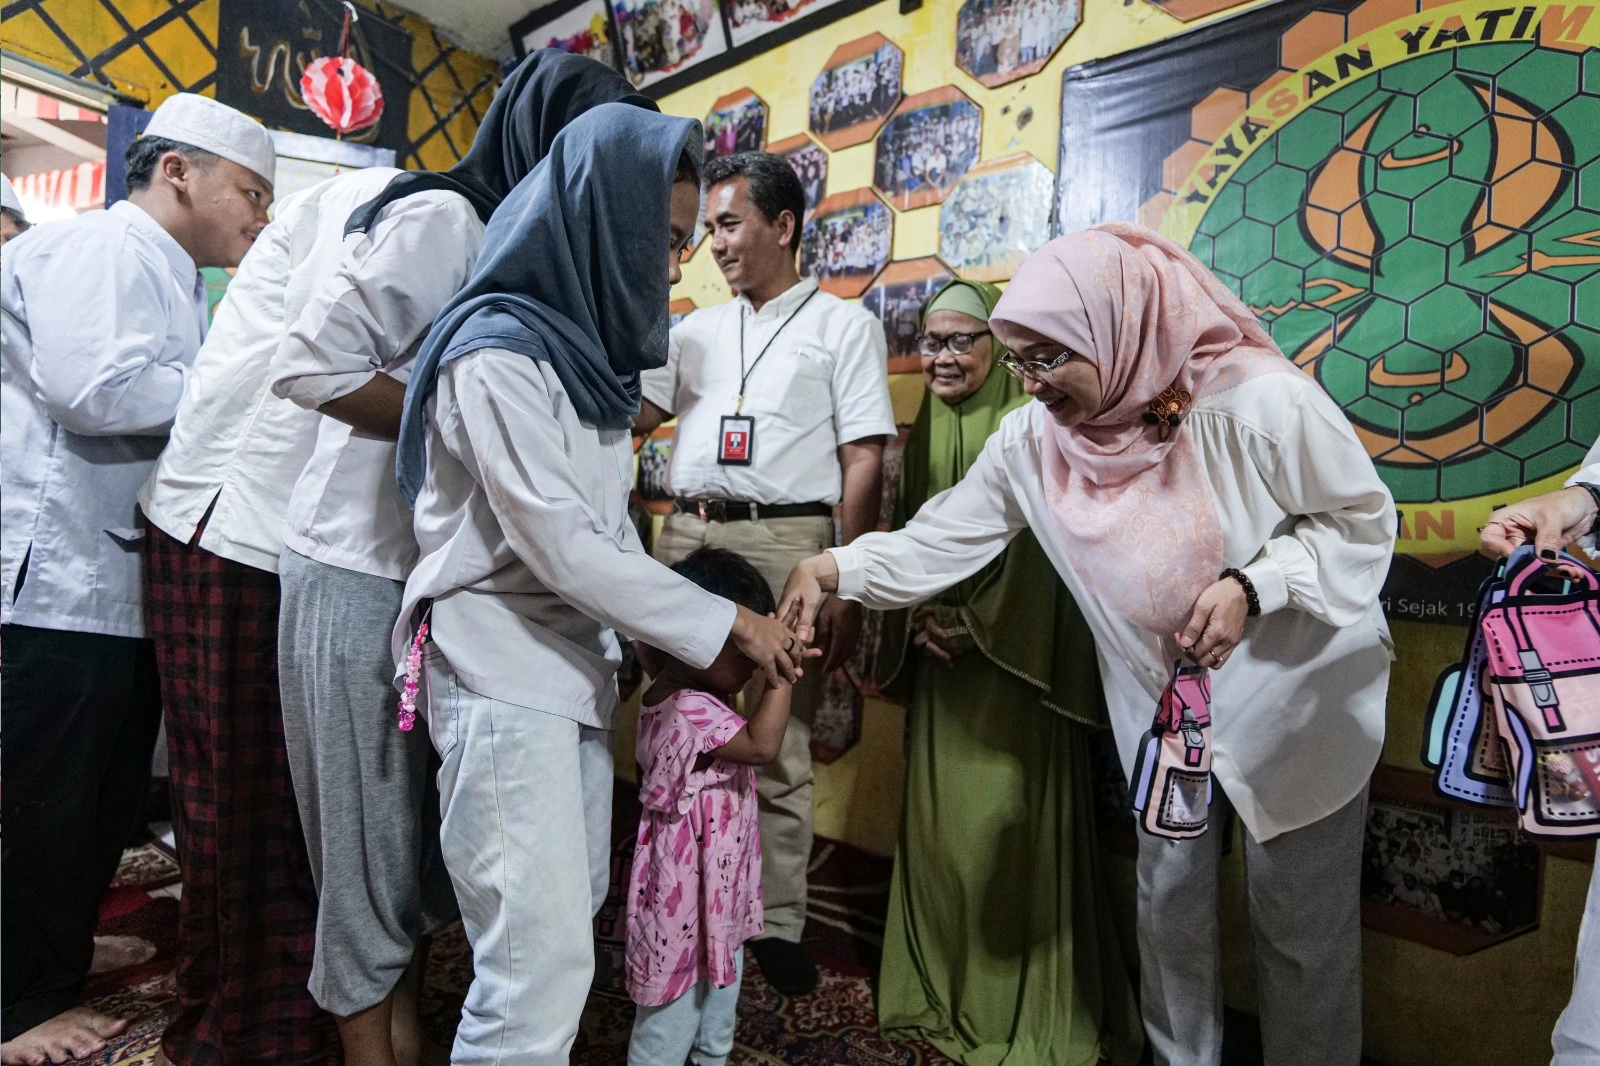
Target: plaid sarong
(248, 912)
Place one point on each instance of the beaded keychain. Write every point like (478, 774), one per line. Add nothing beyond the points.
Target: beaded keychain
(408, 698)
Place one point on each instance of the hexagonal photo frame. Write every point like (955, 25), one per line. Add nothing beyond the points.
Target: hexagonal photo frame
(897, 299)
(737, 122)
(996, 216)
(1189, 10)
(857, 89)
(999, 41)
(929, 143)
(848, 242)
(809, 162)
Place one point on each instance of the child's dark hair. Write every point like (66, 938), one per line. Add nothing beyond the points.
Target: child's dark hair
(729, 575)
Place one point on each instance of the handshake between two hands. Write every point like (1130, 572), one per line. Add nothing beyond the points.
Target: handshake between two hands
(809, 624)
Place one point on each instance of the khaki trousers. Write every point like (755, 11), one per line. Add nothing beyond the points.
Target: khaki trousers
(773, 546)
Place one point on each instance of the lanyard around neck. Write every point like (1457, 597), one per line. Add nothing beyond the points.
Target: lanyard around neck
(744, 375)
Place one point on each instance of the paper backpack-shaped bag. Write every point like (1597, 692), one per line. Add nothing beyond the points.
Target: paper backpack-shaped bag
(1171, 790)
(1543, 676)
(1460, 741)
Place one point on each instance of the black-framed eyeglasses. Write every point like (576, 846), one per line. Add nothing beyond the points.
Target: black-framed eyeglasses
(1034, 368)
(958, 343)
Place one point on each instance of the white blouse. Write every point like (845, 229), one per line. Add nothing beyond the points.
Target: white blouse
(1298, 711)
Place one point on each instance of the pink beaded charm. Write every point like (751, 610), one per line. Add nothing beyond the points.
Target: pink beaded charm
(408, 698)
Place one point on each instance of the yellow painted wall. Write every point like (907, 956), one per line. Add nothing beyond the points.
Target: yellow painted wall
(172, 50)
(783, 77)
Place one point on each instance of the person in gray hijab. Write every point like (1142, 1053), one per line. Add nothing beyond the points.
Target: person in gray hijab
(515, 449)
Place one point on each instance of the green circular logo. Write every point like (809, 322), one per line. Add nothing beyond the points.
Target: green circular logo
(1425, 241)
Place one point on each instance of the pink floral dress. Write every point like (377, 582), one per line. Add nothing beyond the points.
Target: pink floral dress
(695, 892)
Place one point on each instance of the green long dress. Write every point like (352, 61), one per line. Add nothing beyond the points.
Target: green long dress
(999, 946)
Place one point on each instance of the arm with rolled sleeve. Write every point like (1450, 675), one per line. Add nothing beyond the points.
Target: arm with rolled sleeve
(98, 318)
(379, 302)
(952, 537)
(1333, 563)
(521, 458)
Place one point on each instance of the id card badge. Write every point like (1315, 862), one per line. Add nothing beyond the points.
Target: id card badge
(738, 439)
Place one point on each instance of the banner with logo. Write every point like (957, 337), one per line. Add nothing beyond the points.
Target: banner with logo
(1410, 200)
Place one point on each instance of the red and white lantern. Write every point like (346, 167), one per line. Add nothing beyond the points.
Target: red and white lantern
(340, 91)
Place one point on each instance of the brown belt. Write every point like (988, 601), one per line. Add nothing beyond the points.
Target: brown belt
(745, 511)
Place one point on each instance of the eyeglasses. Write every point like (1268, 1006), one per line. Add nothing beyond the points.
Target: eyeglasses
(959, 343)
(1034, 368)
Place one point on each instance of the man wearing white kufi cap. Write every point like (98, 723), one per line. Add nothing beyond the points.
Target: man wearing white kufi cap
(103, 316)
(13, 220)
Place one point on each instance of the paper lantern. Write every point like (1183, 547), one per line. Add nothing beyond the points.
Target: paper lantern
(342, 93)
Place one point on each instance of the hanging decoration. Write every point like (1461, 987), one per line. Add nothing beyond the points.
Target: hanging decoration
(340, 91)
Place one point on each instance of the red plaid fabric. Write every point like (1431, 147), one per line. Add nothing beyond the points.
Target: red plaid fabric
(249, 911)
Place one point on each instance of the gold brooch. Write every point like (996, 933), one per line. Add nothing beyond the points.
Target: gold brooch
(1167, 410)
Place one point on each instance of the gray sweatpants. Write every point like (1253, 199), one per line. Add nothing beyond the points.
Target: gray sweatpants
(1304, 890)
(371, 821)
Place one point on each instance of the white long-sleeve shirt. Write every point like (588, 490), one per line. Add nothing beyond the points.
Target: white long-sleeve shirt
(1298, 711)
(527, 550)
(369, 319)
(103, 314)
(235, 447)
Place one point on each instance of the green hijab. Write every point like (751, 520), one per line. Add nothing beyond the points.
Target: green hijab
(1015, 612)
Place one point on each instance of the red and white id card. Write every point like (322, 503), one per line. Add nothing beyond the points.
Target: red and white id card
(738, 440)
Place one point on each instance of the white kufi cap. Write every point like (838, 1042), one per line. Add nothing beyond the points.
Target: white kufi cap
(9, 201)
(203, 123)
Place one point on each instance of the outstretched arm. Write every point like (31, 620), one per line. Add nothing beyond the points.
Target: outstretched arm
(521, 458)
(952, 537)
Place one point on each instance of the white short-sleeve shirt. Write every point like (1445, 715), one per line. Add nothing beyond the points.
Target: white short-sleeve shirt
(823, 382)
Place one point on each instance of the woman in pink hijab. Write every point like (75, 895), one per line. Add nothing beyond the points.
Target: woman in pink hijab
(1203, 499)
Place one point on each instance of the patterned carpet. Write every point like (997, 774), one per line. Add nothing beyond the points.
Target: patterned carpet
(833, 1026)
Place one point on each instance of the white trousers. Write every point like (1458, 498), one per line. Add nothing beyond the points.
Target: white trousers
(1304, 890)
(1577, 1035)
(696, 1028)
(525, 804)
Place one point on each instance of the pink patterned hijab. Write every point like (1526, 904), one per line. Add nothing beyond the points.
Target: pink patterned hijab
(1135, 512)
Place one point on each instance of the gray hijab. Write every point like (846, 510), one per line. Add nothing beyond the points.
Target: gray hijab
(572, 272)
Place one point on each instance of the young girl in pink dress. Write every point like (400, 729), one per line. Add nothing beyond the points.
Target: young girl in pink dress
(695, 892)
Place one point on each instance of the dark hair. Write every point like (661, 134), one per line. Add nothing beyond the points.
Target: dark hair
(143, 154)
(22, 224)
(774, 186)
(729, 575)
(687, 171)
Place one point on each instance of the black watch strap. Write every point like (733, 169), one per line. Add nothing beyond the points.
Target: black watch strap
(1594, 494)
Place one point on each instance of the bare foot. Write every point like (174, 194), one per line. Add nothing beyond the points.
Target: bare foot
(120, 952)
(73, 1034)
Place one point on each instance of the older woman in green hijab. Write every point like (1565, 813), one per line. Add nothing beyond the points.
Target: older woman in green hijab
(999, 946)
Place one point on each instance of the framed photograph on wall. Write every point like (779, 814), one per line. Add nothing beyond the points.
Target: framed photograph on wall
(1455, 877)
(582, 27)
(660, 38)
(749, 19)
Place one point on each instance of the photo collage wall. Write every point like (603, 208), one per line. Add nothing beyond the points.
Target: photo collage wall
(927, 152)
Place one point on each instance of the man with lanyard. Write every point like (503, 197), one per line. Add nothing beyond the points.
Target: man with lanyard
(782, 401)
(103, 316)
